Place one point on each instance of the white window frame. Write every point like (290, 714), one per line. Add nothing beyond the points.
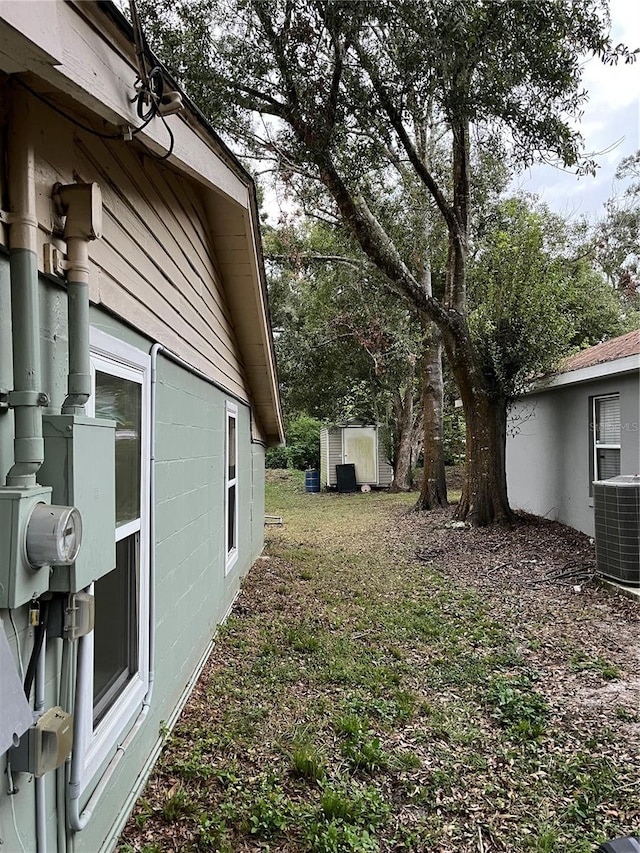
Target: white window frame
(110, 355)
(231, 554)
(596, 446)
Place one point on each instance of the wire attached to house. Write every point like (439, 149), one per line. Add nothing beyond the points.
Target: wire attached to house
(148, 98)
(150, 84)
(37, 648)
(65, 115)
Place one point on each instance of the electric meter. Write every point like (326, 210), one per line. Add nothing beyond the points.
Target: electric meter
(54, 535)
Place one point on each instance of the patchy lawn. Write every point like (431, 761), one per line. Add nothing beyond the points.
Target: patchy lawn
(390, 683)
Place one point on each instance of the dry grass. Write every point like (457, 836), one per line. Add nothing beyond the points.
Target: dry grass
(360, 699)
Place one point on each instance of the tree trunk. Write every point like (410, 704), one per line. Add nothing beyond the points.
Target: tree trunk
(417, 436)
(484, 492)
(433, 492)
(404, 433)
(484, 496)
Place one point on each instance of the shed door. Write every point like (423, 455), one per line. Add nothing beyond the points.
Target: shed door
(360, 447)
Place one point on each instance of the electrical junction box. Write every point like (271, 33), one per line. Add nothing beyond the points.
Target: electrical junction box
(71, 616)
(45, 746)
(19, 580)
(16, 715)
(79, 464)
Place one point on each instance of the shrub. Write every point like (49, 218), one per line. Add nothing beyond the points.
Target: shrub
(303, 445)
(303, 442)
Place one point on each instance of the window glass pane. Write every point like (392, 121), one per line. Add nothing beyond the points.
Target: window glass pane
(120, 400)
(231, 519)
(231, 447)
(115, 636)
(608, 463)
(608, 420)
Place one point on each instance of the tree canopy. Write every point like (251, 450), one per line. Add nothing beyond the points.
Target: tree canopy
(338, 92)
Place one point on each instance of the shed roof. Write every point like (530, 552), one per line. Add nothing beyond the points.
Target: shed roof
(611, 350)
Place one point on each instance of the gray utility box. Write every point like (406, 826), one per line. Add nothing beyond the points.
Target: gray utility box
(616, 507)
(19, 581)
(79, 464)
(46, 745)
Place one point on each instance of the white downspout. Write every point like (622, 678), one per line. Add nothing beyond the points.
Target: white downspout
(41, 803)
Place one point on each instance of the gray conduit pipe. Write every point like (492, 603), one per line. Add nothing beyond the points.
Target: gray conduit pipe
(82, 206)
(65, 700)
(26, 397)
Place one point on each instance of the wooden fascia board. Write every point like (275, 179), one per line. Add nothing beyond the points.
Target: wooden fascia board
(97, 70)
(238, 252)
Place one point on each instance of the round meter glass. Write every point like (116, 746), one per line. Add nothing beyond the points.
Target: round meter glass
(54, 535)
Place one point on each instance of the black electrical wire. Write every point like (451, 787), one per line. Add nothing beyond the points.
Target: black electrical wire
(37, 648)
(148, 97)
(134, 131)
(66, 115)
(171, 144)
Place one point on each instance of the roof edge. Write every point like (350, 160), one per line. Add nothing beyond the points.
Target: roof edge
(616, 367)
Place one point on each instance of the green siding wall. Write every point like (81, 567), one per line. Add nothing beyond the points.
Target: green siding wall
(257, 512)
(193, 594)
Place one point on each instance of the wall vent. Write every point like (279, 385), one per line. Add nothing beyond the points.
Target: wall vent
(616, 505)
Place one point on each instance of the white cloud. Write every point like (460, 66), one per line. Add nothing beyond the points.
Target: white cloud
(610, 125)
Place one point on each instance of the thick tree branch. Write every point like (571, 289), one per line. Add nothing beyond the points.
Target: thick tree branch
(376, 243)
(295, 258)
(398, 125)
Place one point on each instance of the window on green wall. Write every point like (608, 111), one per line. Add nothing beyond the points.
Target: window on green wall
(231, 486)
(117, 667)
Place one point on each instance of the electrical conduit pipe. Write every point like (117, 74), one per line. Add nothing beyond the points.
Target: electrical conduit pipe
(41, 802)
(82, 206)
(26, 397)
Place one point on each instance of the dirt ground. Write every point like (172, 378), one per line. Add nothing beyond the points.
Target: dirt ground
(514, 570)
(393, 681)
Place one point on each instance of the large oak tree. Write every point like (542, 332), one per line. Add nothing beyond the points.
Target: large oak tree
(331, 81)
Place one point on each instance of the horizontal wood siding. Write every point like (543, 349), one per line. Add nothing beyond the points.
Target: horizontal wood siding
(323, 457)
(155, 265)
(336, 456)
(385, 471)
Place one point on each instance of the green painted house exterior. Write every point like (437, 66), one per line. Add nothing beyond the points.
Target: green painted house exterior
(132, 299)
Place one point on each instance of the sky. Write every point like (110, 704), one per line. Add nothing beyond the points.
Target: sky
(610, 124)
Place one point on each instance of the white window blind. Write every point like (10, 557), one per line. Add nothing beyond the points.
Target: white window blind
(608, 420)
(606, 436)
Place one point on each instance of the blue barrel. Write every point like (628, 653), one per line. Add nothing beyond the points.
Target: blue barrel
(312, 481)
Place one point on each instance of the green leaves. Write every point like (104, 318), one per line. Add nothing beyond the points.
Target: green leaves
(530, 302)
(517, 707)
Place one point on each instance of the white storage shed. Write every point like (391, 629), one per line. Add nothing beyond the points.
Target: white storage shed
(359, 444)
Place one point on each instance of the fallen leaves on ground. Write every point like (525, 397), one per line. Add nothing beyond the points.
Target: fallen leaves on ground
(389, 682)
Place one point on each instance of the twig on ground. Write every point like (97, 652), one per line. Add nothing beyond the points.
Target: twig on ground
(573, 573)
